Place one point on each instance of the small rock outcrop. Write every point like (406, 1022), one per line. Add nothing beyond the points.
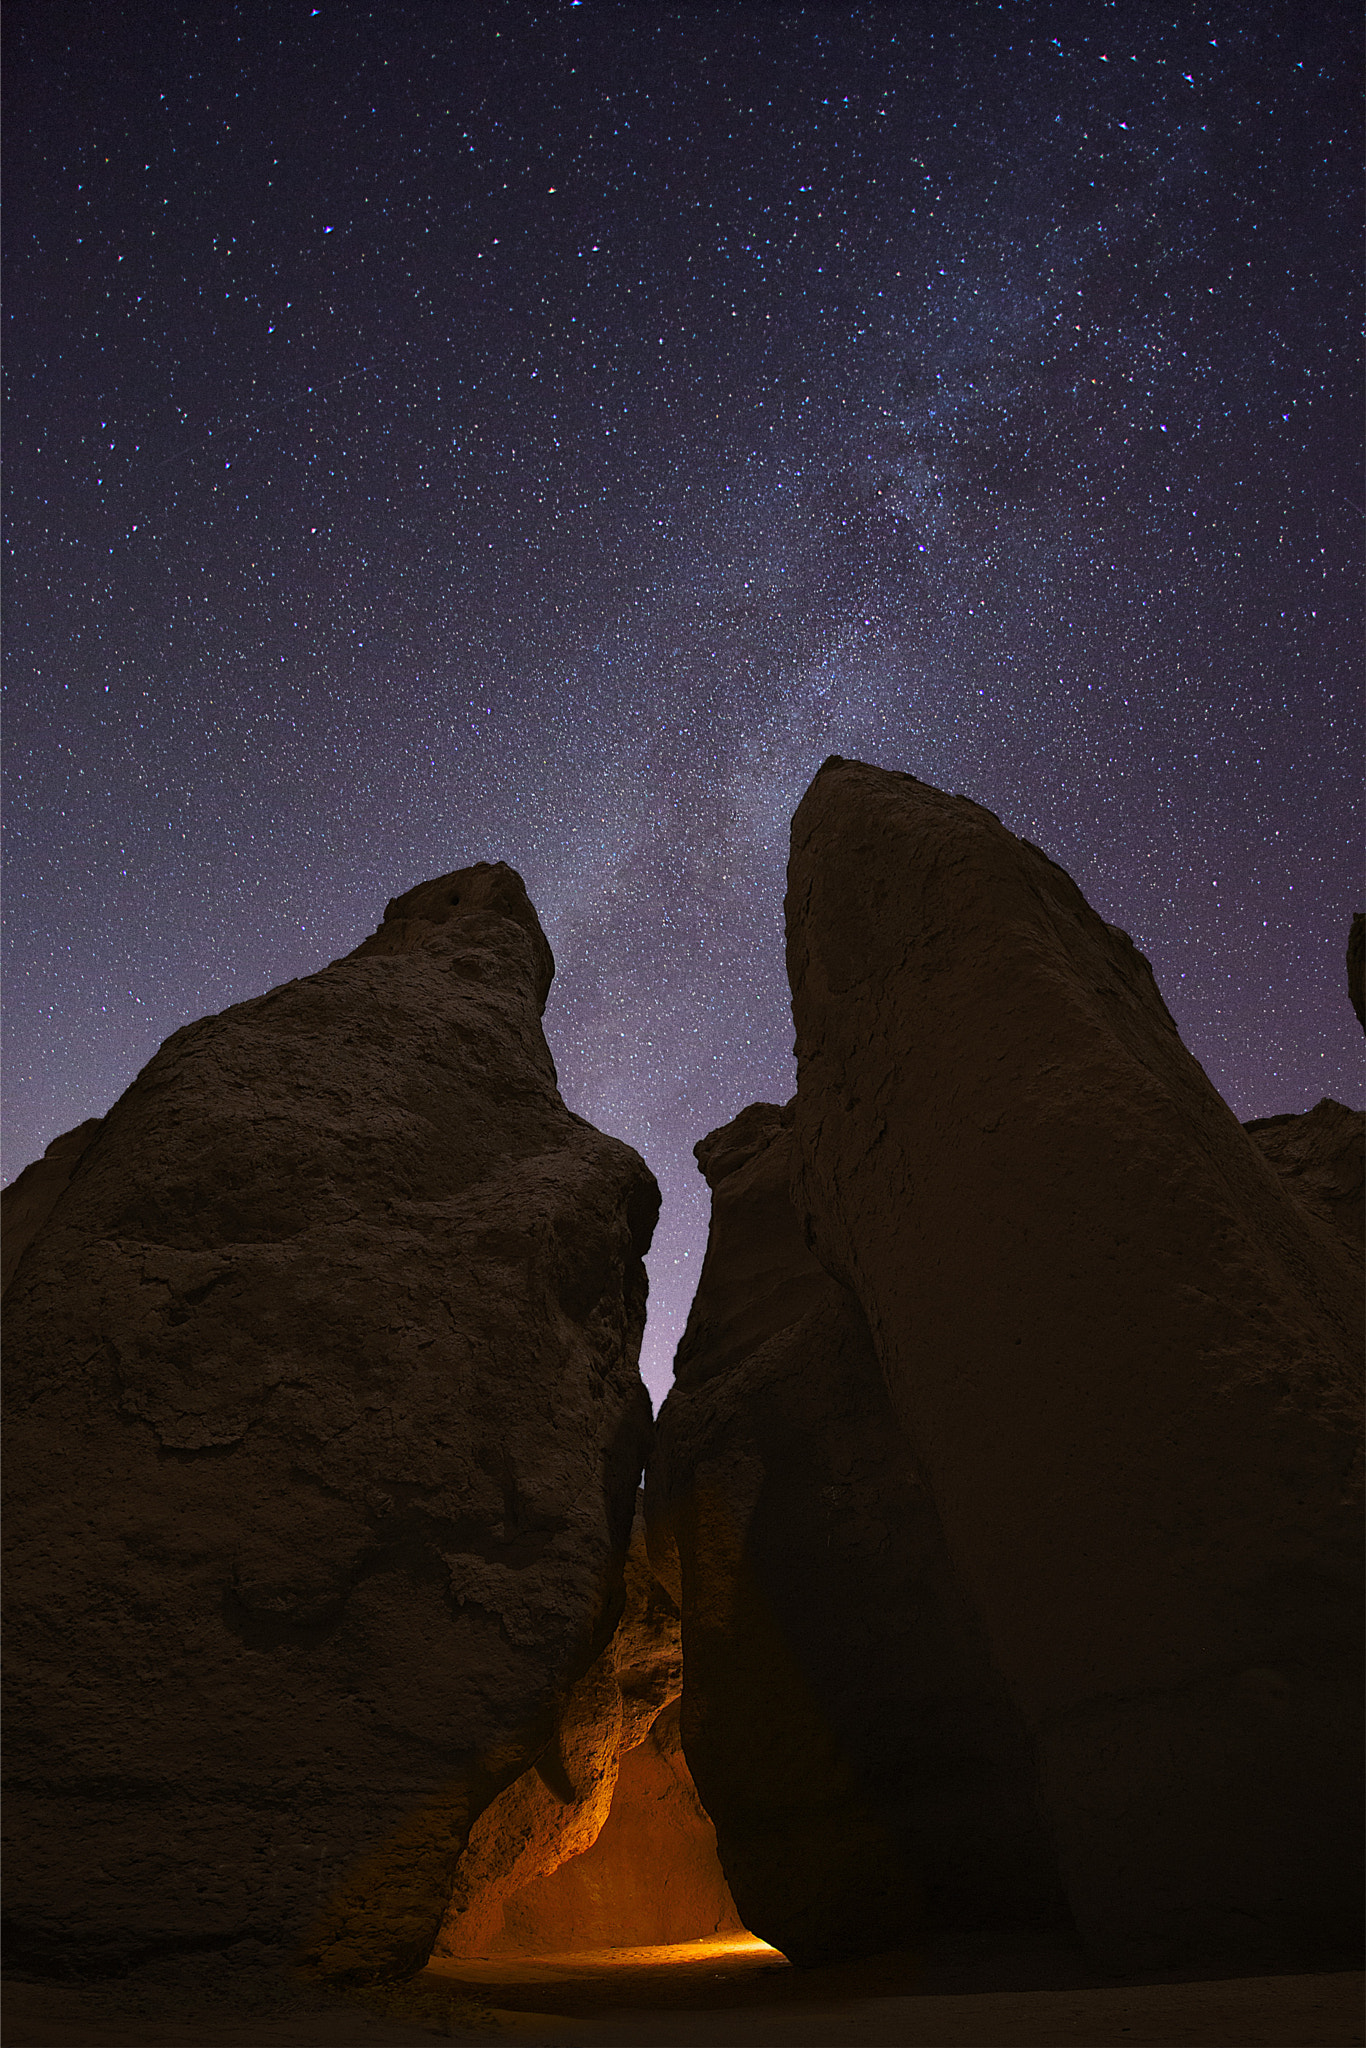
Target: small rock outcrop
(865, 1770)
(1125, 1358)
(1356, 966)
(325, 1426)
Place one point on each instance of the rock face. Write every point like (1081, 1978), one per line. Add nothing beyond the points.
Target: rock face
(859, 1757)
(557, 1809)
(651, 1876)
(1320, 1158)
(604, 1844)
(1125, 1358)
(31, 1196)
(324, 1433)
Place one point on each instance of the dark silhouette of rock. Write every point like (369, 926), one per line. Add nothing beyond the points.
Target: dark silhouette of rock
(1356, 966)
(856, 1752)
(1320, 1157)
(757, 1276)
(1126, 1359)
(325, 1428)
(31, 1196)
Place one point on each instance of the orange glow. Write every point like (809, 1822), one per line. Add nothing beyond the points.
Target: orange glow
(649, 1884)
(595, 1962)
(582, 1983)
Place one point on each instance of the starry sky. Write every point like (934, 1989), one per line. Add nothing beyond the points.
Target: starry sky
(441, 432)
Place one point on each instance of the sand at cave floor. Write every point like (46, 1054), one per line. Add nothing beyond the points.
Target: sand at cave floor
(718, 1995)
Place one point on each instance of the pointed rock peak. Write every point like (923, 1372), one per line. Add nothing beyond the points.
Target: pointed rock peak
(1123, 1347)
(449, 906)
(344, 1305)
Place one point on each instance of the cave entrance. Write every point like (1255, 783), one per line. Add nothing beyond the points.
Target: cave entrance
(642, 1885)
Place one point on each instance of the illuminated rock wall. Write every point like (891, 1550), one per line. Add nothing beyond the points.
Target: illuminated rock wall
(651, 1876)
(549, 1863)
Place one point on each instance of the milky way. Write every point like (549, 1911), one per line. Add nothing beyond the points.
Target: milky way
(441, 433)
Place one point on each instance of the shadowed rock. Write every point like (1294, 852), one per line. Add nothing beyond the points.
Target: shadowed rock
(324, 1432)
(864, 1769)
(31, 1196)
(1125, 1357)
(1356, 966)
(1320, 1159)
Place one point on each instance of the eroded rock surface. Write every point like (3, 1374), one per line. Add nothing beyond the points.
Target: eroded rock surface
(556, 1810)
(324, 1433)
(1125, 1357)
(31, 1196)
(1320, 1158)
(651, 1876)
(863, 1767)
(605, 1843)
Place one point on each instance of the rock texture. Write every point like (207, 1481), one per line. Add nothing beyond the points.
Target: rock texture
(31, 1196)
(324, 1433)
(558, 1808)
(1320, 1158)
(860, 1759)
(1125, 1357)
(651, 1876)
(604, 1844)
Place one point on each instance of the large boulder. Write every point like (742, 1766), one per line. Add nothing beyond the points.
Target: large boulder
(1126, 1359)
(866, 1773)
(325, 1428)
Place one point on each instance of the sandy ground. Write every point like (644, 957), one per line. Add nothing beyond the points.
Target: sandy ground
(718, 1995)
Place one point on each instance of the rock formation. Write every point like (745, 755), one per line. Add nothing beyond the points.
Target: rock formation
(324, 1434)
(652, 1875)
(1320, 1159)
(856, 1751)
(32, 1195)
(1356, 966)
(1125, 1359)
(610, 1846)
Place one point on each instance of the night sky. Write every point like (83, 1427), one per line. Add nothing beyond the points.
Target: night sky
(544, 433)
